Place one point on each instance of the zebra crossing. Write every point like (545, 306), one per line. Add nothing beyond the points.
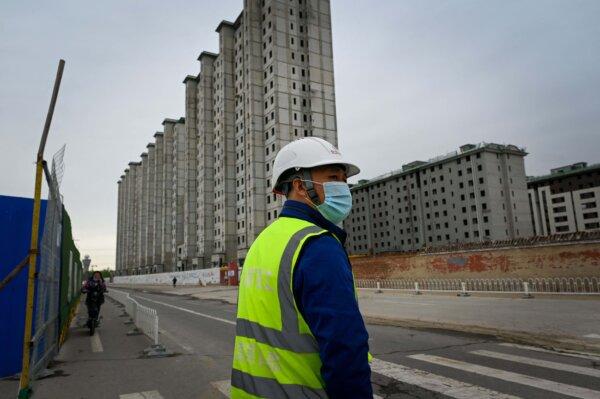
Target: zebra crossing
(436, 375)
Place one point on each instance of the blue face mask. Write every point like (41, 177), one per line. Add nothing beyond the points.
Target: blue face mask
(338, 202)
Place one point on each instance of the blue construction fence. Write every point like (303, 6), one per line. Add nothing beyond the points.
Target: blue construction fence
(57, 286)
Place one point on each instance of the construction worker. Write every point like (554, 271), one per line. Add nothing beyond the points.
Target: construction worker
(299, 332)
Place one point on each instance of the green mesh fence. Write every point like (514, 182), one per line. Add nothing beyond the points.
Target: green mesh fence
(71, 275)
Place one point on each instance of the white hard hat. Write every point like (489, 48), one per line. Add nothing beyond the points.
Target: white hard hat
(306, 153)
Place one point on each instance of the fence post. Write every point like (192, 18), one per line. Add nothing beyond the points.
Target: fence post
(155, 329)
(527, 294)
(379, 287)
(134, 318)
(156, 349)
(135, 313)
(417, 292)
(463, 291)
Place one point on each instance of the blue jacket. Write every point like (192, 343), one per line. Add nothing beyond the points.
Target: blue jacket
(324, 292)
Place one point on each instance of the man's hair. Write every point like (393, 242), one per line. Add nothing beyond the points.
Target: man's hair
(287, 178)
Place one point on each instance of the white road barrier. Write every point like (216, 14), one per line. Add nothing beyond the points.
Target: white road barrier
(144, 318)
(551, 285)
(119, 296)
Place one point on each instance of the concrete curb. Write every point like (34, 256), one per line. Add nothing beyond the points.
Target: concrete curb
(206, 298)
(553, 342)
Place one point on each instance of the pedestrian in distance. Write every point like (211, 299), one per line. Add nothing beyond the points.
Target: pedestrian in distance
(174, 281)
(299, 331)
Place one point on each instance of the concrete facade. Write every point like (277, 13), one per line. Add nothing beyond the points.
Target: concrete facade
(120, 216)
(150, 207)
(476, 194)
(133, 223)
(158, 201)
(190, 189)
(142, 227)
(224, 207)
(270, 82)
(178, 195)
(566, 201)
(206, 160)
(167, 253)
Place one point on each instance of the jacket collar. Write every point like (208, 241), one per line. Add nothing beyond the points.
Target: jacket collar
(300, 210)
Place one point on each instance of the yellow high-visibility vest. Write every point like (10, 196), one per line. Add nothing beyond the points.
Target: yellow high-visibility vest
(275, 355)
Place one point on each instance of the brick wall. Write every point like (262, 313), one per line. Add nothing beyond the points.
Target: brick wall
(555, 260)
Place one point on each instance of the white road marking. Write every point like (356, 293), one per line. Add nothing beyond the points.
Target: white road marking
(96, 343)
(187, 348)
(142, 395)
(388, 300)
(540, 363)
(565, 389)
(223, 386)
(436, 383)
(188, 310)
(177, 341)
(595, 336)
(537, 349)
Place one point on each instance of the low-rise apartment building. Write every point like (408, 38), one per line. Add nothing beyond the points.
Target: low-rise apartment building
(567, 200)
(478, 193)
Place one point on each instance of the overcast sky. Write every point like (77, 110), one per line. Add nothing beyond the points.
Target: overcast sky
(414, 79)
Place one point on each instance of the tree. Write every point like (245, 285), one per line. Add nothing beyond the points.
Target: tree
(106, 273)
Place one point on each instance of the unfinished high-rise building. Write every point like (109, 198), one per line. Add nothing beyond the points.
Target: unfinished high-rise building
(271, 82)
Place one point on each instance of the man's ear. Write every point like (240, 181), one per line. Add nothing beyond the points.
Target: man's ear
(298, 187)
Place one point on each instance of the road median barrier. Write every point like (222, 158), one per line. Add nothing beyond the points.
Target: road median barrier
(526, 294)
(463, 290)
(145, 321)
(560, 286)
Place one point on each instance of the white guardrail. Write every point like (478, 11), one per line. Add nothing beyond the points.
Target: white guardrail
(556, 285)
(144, 318)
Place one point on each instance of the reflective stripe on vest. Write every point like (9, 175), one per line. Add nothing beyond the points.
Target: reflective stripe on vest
(275, 355)
(270, 388)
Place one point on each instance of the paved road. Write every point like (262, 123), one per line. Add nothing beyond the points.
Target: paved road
(409, 363)
(564, 321)
(577, 319)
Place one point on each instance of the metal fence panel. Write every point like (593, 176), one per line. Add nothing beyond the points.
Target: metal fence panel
(550, 285)
(46, 310)
(144, 317)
